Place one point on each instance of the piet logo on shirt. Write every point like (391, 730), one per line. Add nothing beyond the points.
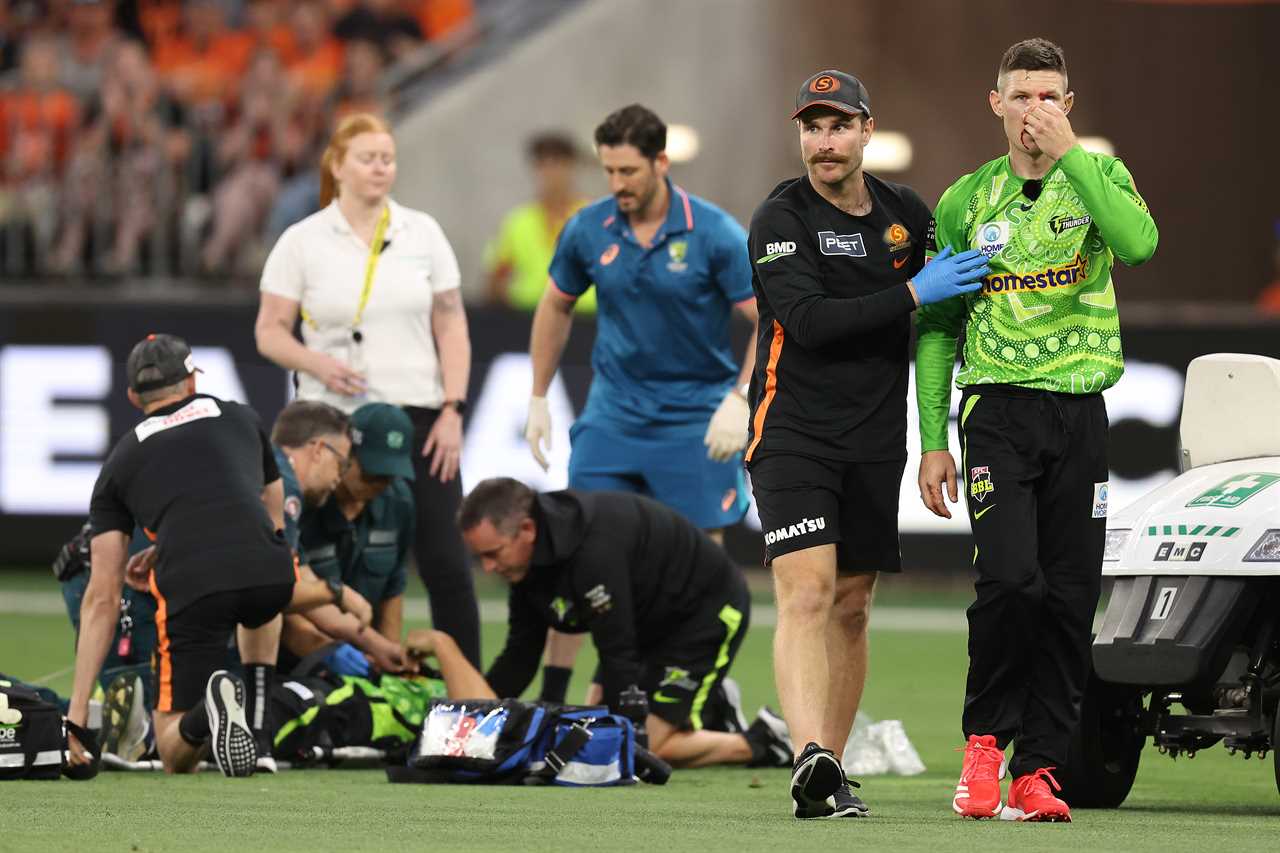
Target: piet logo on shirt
(832, 243)
(773, 251)
(800, 528)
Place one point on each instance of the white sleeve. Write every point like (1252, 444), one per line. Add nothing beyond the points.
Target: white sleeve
(444, 264)
(282, 274)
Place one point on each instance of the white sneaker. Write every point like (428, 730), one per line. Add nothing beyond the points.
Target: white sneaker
(770, 741)
(733, 695)
(231, 741)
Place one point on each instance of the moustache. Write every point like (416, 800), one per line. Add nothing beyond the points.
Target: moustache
(827, 158)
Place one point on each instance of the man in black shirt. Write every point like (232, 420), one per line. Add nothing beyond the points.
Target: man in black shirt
(665, 607)
(838, 264)
(198, 475)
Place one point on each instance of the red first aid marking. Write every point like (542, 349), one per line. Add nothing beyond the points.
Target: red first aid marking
(461, 734)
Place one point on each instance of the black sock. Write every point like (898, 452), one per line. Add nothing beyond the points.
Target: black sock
(194, 725)
(258, 678)
(555, 683)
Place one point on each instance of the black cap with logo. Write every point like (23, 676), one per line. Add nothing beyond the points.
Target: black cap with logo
(834, 89)
(157, 361)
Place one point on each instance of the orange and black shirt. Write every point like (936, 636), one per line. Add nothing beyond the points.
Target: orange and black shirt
(191, 474)
(835, 322)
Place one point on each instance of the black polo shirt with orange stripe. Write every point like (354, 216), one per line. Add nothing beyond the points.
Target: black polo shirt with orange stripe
(192, 475)
(835, 322)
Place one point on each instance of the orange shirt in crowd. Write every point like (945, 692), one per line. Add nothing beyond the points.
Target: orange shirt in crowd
(40, 124)
(279, 39)
(201, 75)
(438, 17)
(317, 73)
(160, 20)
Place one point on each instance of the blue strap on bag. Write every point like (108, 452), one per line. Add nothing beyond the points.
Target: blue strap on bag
(588, 748)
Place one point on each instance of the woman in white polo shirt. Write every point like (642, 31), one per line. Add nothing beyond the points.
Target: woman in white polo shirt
(376, 285)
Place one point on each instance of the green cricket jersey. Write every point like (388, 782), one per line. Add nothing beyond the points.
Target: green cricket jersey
(1046, 314)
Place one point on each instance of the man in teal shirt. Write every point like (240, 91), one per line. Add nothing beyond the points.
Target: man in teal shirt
(364, 534)
(1042, 341)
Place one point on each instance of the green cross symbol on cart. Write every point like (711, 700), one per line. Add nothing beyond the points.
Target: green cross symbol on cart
(1235, 491)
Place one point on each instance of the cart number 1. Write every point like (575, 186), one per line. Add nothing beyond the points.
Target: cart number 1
(1164, 603)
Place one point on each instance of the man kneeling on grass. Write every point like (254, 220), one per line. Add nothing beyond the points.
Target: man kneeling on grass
(665, 607)
(197, 475)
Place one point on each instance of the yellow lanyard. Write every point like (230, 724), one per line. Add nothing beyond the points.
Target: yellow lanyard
(375, 251)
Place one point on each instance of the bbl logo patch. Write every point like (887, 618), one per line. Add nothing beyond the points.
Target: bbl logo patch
(980, 484)
(395, 439)
(292, 507)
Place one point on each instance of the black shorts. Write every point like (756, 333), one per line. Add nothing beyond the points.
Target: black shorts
(679, 675)
(804, 502)
(192, 644)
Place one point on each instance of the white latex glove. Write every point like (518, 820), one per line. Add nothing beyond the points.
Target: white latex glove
(537, 430)
(727, 432)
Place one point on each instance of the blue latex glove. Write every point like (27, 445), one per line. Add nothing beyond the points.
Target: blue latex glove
(346, 659)
(949, 275)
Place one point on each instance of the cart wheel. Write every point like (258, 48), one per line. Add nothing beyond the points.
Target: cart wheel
(1103, 758)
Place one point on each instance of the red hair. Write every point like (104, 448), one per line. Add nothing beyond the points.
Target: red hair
(347, 129)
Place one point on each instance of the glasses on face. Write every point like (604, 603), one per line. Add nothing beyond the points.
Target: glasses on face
(344, 460)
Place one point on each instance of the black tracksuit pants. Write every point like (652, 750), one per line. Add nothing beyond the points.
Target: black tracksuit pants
(443, 562)
(1035, 472)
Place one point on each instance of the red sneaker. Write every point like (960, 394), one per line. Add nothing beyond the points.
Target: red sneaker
(978, 791)
(1030, 799)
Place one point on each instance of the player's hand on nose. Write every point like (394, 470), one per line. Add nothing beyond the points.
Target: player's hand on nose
(1049, 126)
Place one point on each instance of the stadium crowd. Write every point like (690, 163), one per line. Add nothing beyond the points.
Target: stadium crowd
(181, 135)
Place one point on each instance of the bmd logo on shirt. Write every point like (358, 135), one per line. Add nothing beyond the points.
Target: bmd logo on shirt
(780, 249)
(800, 528)
(832, 243)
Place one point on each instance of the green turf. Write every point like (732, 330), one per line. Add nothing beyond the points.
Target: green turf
(1213, 802)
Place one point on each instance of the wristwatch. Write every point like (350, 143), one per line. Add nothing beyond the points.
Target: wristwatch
(459, 406)
(336, 587)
